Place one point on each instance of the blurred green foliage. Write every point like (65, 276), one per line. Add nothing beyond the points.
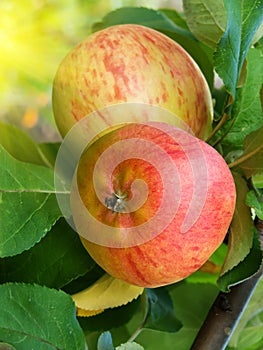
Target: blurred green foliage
(35, 35)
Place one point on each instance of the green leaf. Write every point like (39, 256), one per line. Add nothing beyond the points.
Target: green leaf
(246, 115)
(25, 219)
(253, 154)
(249, 331)
(35, 317)
(105, 342)
(241, 229)
(206, 19)
(66, 260)
(175, 17)
(19, 144)
(117, 320)
(140, 15)
(191, 305)
(158, 20)
(17, 176)
(130, 346)
(197, 297)
(161, 316)
(258, 35)
(258, 180)
(27, 203)
(253, 202)
(5, 346)
(85, 280)
(245, 269)
(203, 277)
(251, 339)
(243, 20)
(49, 152)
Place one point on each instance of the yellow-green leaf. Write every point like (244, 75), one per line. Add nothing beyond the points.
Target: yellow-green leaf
(87, 313)
(241, 229)
(206, 19)
(19, 144)
(253, 154)
(107, 292)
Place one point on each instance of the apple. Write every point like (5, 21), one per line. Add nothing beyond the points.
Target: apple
(151, 202)
(135, 64)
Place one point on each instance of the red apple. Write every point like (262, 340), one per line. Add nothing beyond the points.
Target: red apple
(152, 203)
(131, 63)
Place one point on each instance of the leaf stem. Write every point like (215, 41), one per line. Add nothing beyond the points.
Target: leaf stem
(28, 335)
(218, 126)
(224, 135)
(146, 316)
(245, 157)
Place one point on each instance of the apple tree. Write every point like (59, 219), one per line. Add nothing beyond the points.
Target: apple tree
(53, 295)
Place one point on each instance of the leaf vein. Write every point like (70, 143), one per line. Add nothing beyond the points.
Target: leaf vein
(26, 221)
(213, 17)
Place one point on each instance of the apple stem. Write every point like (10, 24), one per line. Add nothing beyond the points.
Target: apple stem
(116, 203)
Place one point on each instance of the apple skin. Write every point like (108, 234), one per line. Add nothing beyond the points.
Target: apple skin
(131, 63)
(171, 255)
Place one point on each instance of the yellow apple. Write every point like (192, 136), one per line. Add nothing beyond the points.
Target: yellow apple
(135, 64)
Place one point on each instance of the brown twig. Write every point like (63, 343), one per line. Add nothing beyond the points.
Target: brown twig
(226, 311)
(218, 126)
(245, 157)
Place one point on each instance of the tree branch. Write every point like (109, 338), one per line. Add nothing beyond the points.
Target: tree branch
(226, 311)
